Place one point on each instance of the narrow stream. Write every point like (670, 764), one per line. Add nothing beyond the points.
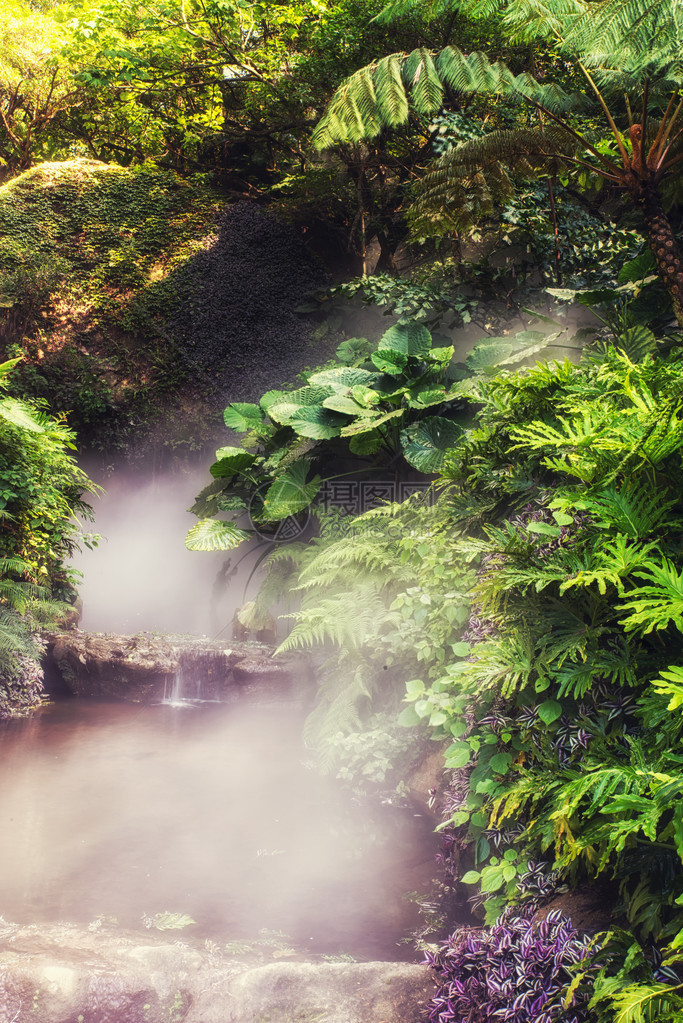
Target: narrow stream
(119, 811)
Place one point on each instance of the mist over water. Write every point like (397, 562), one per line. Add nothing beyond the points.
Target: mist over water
(141, 577)
(121, 811)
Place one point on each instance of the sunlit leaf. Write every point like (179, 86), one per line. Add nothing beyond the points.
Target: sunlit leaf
(214, 535)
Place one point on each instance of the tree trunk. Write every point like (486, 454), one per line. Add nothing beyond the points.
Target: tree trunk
(664, 245)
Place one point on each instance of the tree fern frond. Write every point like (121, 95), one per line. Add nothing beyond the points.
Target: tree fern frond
(642, 37)
(511, 146)
(426, 87)
(429, 9)
(392, 100)
(380, 95)
(529, 20)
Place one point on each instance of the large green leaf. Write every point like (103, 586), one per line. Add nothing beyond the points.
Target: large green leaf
(243, 416)
(274, 402)
(344, 403)
(290, 493)
(389, 361)
(214, 535)
(367, 424)
(410, 339)
(354, 349)
(344, 376)
(317, 422)
(486, 357)
(440, 356)
(426, 397)
(230, 460)
(425, 443)
(365, 444)
(283, 411)
(365, 396)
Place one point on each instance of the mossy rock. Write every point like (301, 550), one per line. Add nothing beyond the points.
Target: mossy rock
(87, 253)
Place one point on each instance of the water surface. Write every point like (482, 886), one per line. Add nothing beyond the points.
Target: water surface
(120, 811)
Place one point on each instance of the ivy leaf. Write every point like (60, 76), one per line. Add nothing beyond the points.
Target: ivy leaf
(425, 443)
(214, 535)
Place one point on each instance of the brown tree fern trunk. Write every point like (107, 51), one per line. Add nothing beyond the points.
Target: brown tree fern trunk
(664, 246)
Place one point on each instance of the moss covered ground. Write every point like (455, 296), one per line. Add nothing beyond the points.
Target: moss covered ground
(136, 298)
(87, 251)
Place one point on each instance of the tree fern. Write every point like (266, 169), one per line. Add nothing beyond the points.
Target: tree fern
(381, 95)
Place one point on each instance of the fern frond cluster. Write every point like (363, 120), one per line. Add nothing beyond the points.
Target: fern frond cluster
(383, 94)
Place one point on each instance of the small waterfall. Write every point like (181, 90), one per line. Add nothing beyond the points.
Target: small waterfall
(200, 678)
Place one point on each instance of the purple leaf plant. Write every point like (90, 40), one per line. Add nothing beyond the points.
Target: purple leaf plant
(517, 971)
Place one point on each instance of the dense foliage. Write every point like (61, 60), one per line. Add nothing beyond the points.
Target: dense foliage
(41, 489)
(527, 615)
(534, 615)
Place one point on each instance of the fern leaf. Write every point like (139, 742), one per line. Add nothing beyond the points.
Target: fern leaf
(392, 100)
(426, 87)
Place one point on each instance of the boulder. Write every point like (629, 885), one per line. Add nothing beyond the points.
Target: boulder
(63, 974)
(136, 669)
(148, 668)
